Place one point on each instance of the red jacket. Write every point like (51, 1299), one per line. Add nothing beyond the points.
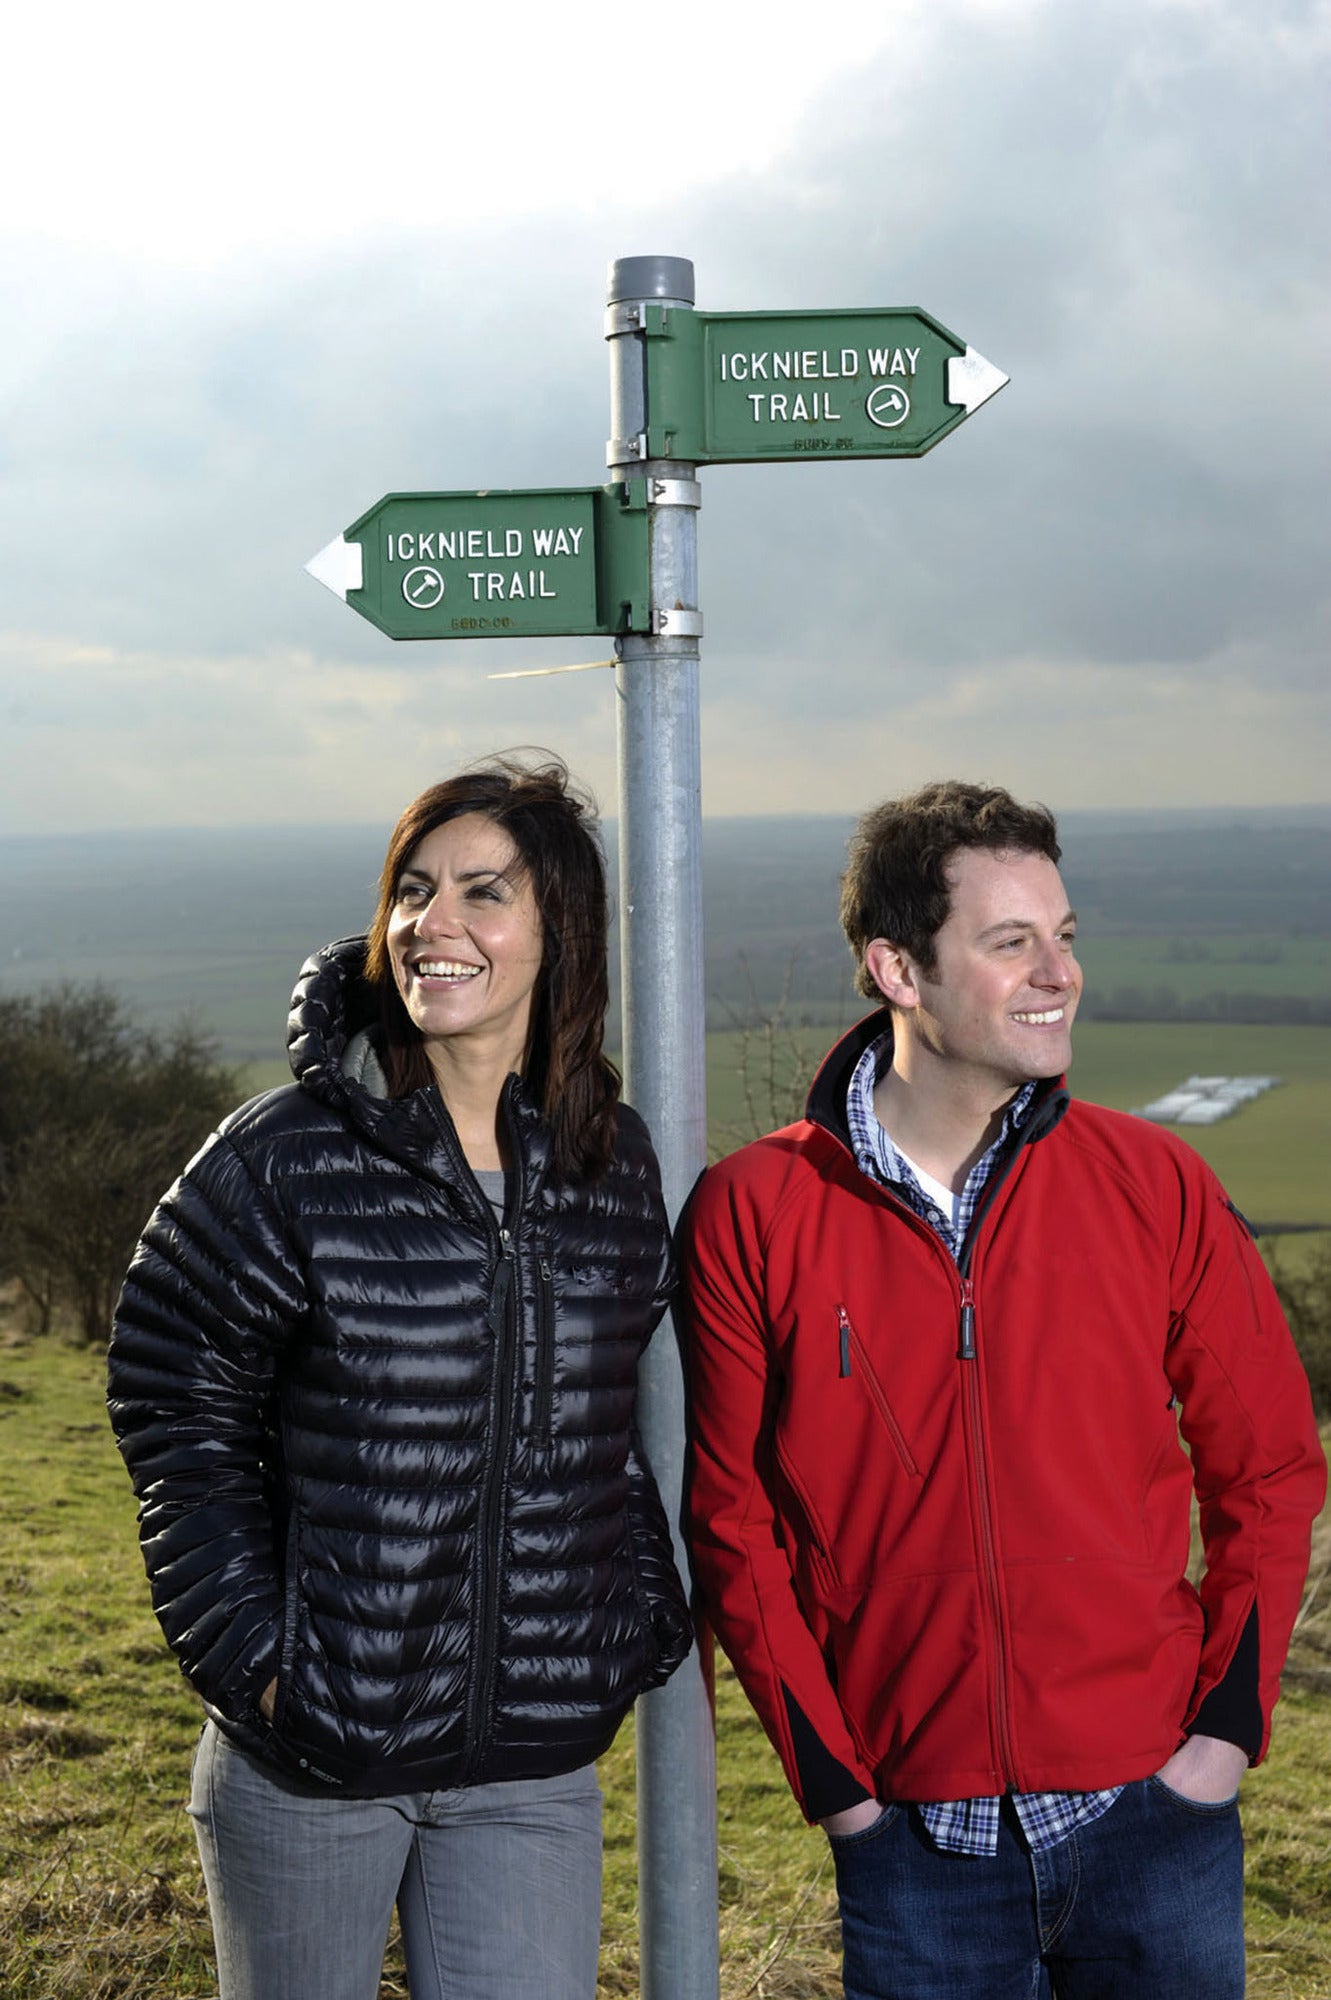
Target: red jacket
(947, 1553)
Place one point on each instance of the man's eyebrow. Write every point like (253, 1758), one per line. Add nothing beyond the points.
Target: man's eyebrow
(1024, 924)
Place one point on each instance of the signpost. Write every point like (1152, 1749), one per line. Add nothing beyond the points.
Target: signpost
(727, 387)
(512, 565)
(686, 389)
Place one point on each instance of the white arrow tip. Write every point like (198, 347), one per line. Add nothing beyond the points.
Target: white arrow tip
(972, 380)
(338, 567)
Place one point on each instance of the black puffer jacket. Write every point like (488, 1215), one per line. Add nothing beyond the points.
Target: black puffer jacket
(383, 1448)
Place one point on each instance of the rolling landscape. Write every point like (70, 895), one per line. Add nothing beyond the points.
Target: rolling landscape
(1205, 939)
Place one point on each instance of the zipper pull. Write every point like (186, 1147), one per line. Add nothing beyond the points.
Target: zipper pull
(843, 1330)
(966, 1352)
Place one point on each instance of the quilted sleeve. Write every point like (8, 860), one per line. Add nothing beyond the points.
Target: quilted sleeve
(210, 1299)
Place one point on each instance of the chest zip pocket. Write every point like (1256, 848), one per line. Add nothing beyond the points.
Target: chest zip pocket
(544, 1392)
(848, 1348)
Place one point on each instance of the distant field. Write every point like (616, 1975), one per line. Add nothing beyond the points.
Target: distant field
(1273, 1156)
(1195, 967)
(1178, 910)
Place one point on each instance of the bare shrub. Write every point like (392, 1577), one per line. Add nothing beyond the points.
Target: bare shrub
(97, 1116)
(1305, 1296)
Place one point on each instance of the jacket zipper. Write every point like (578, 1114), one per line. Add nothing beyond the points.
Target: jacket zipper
(974, 1411)
(502, 1317)
(989, 1573)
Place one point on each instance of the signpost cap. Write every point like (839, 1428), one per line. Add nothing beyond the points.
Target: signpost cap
(651, 278)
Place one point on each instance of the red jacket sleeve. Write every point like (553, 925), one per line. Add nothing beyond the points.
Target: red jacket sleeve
(741, 1564)
(1258, 1466)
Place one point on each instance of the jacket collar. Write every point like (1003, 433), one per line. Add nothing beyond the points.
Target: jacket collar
(827, 1094)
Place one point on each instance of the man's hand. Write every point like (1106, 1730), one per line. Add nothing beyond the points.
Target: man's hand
(854, 1819)
(1206, 1769)
(268, 1700)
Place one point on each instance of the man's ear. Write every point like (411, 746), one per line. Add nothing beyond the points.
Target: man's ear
(892, 973)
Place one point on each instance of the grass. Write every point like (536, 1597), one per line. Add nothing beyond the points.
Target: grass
(100, 1897)
(1194, 967)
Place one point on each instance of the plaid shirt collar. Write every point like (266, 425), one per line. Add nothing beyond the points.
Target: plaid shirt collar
(878, 1158)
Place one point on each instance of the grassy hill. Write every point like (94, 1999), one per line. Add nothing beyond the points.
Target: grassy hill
(100, 1894)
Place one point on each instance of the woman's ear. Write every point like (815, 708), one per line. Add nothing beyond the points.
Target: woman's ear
(892, 973)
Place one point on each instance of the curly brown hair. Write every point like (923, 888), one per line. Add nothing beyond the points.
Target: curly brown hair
(553, 826)
(896, 884)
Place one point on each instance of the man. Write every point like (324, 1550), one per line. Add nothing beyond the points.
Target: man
(947, 1332)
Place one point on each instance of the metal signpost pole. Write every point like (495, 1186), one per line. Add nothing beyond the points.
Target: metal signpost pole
(660, 914)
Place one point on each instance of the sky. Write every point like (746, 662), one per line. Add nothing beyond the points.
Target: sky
(259, 268)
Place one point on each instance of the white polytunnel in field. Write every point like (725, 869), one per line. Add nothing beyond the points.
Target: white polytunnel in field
(1204, 1100)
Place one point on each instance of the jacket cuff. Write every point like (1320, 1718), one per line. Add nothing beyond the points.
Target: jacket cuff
(1233, 1710)
(826, 1786)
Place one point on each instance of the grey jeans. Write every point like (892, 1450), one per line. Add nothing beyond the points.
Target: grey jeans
(498, 1887)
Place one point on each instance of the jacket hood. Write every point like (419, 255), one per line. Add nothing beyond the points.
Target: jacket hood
(826, 1104)
(333, 1002)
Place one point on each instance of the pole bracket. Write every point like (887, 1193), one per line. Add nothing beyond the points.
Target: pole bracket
(672, 622)
(626, 451)
(674, 493)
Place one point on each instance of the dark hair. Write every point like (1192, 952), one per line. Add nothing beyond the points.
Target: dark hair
(553, 828)
(896, 885)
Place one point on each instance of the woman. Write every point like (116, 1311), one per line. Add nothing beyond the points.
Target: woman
(373, 1374)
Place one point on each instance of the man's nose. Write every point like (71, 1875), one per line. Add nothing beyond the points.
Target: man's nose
(1055, 966)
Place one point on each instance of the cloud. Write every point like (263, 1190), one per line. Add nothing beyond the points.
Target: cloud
(1120, 206)
(100, 736)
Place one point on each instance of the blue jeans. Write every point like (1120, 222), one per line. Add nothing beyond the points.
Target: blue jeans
(1146, 1903)
(498, 1887)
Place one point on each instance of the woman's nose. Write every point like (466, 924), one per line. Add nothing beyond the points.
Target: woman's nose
(438, 918)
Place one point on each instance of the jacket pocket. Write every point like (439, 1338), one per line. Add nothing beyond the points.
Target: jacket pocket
(816, 1544)
(543, 1398)
(664, 1619)
(853, 1362)
(290, 1615)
